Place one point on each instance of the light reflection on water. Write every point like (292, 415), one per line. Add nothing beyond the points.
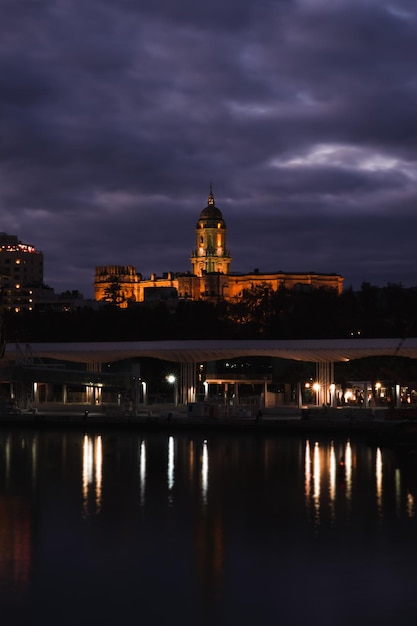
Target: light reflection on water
(142, 472)
(324, 468)
(204, 472)
(222, 526)
(378, 475)
(92, 467)
(334, 473)
(171, 463)
(410, 505)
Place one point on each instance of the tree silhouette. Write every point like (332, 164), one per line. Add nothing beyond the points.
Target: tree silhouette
(113, 293)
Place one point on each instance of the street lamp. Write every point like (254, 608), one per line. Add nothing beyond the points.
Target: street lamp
(172, 380)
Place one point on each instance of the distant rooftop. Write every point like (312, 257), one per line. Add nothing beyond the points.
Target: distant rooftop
(11, 243)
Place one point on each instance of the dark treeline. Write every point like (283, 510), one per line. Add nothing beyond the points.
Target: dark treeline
(389, 311)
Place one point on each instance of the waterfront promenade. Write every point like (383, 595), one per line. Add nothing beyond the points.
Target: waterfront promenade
(381, 426)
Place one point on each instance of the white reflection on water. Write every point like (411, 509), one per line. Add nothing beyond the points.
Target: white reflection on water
(171, 463)
(378, 474)
(142, 472)
(348, 471)
(397, 491)
(92, 467)
(87, 467)
(28, 446)
(204, 472)
(98, 456)
(316, 483)
(340, 479)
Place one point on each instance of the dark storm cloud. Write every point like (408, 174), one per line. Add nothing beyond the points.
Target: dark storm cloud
(114, 117)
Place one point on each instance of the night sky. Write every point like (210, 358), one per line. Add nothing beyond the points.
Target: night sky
(115, 115)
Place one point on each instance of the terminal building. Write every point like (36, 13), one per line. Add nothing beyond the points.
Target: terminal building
(210, 277)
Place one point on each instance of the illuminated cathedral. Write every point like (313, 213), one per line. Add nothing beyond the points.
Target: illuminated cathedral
(210, 277)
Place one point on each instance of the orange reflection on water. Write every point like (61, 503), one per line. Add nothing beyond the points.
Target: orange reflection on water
(307, 470)
(15, 542)
(16, 514)
(98, 455)
(410, 506)
(316, 482)
(191, 461)
(332, 479)
(92, 467)
(324, 465)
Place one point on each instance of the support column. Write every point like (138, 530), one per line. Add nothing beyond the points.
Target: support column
(333, 402)
(324, 377)
(136, 386)
(236, 393)
(91, 395)
(188, 383)
(97, 396)
(299, 396)
(365, 395)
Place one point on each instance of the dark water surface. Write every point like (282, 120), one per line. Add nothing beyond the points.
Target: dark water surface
(120, 528)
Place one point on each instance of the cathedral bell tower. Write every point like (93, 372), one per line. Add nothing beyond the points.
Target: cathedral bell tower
(210, 254)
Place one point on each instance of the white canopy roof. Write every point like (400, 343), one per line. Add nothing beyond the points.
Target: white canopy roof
(315, 350)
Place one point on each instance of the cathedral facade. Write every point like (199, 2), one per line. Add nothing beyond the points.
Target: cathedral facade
(210, 277)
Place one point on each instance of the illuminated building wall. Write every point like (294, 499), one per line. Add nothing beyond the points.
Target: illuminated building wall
(21, 268)
(210, 276)
(118, 284)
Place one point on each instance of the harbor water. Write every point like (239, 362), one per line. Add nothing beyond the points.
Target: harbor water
(217, 528)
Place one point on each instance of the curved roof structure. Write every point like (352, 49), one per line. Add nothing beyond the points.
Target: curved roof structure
(313, 350)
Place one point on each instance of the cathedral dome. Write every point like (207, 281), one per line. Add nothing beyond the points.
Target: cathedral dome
(211, 215)
(211, 212)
